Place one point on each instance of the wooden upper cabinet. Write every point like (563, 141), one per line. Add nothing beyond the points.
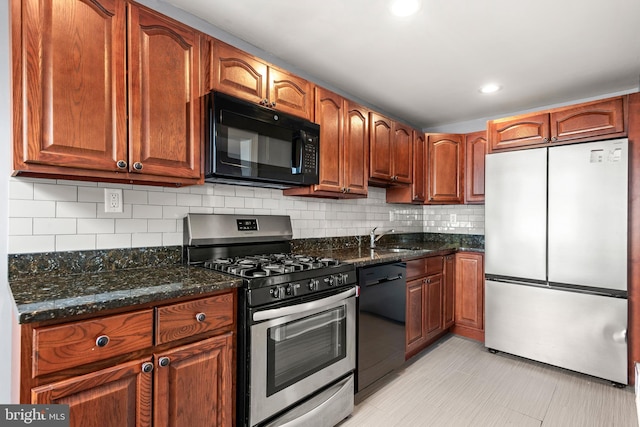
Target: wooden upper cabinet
(164, 93)
(381, 141)
(391, 151)
(475, 150)
(239, 74)
(446, 168)
(417, 191)
(69, 84)
(593, 119)
(120, 396)
(344, 142)
(577, 123)
(402, 153)
(75, 115)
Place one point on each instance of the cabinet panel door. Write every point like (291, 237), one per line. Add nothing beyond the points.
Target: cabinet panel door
(519, 131)
(446, 162)
(469, 272)
(415, 314)
(433, 304)
(448, 292)
(419, 193)
(114, 397)
(164, 88)
(290, 93)
(238, 74)
(330, 117)
(381, 145)
(588, 120)
(476, 149)
(356, 149)
(195, 387)
(402, 152)
(70, 96)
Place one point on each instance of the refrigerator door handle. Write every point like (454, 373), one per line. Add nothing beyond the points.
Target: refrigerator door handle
(620, 337)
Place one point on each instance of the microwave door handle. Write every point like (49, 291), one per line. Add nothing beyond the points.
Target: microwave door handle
(296, 154)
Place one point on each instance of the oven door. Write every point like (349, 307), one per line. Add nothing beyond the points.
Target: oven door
(297, 350)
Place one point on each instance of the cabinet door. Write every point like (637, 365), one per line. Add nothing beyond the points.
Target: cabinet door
(415, 314)
(593, 119)
(356, 149)
(69, 84)
(519, 131)
(381, 145)
(446, 163)
(164, 88)
(330, 117)
(114, 397)
(290, 93)
(469, 282)
(419, 185)
(402, 152)
(238, 74)
(448, 292)
(475, 150)
(193, 384)
(433, 304)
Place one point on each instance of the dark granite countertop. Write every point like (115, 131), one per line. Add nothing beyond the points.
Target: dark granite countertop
(62, 285)
(362, 256)
(65, 289)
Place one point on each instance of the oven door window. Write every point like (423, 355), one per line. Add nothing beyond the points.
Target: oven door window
(250, 148)
(302, 347)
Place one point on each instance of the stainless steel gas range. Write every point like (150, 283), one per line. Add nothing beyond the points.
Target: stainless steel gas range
(296, 320)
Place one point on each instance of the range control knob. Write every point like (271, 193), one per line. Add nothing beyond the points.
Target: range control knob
(345, 278)
(292, 290)
(331, 280)
(313, 284)
(278, 292)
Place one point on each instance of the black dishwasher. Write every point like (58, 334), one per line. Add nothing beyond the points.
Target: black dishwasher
(381, 321)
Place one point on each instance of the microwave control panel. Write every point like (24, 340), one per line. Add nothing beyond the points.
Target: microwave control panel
(309, 162)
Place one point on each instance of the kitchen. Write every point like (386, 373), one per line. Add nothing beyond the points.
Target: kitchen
(155, 210)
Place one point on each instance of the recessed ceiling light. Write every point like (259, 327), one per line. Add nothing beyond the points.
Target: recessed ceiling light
(404, 8)
(490, 88)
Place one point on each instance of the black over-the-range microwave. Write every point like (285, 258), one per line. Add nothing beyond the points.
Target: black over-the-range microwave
(249, 144)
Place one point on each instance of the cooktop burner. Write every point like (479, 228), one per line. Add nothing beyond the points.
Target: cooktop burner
(269, 264)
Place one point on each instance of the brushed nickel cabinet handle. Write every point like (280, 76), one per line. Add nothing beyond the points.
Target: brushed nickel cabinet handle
(164, 361)
(147, 367)
(102, 341)
(200, 317)
(121, 164)
(137, 166)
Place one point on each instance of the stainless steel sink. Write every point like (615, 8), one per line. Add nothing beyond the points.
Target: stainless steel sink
(395, 250)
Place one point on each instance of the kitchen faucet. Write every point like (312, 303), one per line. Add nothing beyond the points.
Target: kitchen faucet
(375, 237)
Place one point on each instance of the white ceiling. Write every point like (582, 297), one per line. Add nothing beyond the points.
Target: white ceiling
(427, 69)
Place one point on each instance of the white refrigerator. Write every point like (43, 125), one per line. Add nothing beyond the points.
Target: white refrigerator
(556, 256)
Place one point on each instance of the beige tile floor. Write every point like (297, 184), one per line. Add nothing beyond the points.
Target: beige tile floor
(458, 383)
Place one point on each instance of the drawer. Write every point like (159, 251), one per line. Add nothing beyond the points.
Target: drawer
(185, 319)
(424, 266)
(74, 344)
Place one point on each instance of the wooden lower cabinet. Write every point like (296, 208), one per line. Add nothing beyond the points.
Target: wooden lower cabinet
(170, 380)
(114, 397)
(469, 302)
(193, 384)
(429, 310)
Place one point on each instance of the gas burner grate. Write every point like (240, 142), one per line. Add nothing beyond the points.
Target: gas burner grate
(269, 264)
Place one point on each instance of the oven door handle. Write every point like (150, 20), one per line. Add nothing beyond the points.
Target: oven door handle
(301, 308)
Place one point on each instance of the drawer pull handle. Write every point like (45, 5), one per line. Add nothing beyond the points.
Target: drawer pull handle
(200, 317)
(102, 341)
(164, 361)
(147, 367)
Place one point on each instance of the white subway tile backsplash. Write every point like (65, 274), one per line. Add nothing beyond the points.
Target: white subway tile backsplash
(20, 226)
(75, 210)
(73, 217)
(55, 192)
(96, 226)
(113, 241)
(54, 226)
(79, 242)
(32, 209)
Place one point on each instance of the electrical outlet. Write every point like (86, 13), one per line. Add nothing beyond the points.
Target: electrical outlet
(452, 218)
(113, 200)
